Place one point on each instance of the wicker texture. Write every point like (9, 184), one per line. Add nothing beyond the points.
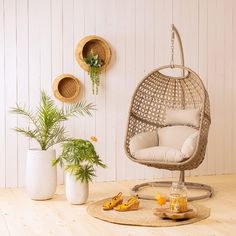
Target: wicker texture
(158, 92)
(66, 88)
(98, 46)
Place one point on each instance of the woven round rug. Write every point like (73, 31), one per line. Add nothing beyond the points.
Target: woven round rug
(144, 216)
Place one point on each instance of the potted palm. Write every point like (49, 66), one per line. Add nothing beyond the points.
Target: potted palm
(46, 127)
(79, 158)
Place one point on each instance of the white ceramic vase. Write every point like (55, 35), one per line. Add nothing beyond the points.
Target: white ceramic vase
(41, 176)
(76, 191)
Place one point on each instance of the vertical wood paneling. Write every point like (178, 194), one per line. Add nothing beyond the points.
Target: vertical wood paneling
(79, 122)
(89, 29)
(68, 47)
(45, 45)
(2, 100)
(37, 43)
(10, 91)
(234, 89)
(211, 51)
(111, 81)
(130, 83)
(139, 59)
(56, 57)
(203, 61)
(100, 24)
(228, 86)
(120, 87)
(34, 58)
(22, 82)
(220, 157)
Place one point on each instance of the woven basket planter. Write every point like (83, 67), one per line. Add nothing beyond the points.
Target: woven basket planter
(99, 47)
(66, 88)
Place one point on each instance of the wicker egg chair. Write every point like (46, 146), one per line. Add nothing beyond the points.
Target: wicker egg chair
(156, 93)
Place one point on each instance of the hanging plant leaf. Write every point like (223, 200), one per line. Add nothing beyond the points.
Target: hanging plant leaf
(95, 69)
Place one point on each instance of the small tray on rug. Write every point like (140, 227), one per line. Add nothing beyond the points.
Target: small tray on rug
(165, 213)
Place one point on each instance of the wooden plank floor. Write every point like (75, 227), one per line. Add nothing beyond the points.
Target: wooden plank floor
(20, 216)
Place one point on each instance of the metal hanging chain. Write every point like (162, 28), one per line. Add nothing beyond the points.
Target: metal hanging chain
(172, 47)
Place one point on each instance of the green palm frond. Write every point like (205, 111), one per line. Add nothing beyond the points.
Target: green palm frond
(81, 108)
(48, 120)
(24, 112)
(56, 135)
(27, 132)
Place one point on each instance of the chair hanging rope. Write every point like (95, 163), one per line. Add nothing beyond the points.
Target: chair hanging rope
(175, 33)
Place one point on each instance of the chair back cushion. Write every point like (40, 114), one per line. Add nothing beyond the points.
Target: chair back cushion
(189, 117)
(174, 136)
(143, 140)
(190, 144)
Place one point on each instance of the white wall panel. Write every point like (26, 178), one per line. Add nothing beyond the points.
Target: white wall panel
(22, 82)
(3, 98)
(228, 86)
(10, 92)
(212, 90)
(37, 43)
(233, 125)
(203, 62)
(111, 80)
(34, 15)
(56, 55)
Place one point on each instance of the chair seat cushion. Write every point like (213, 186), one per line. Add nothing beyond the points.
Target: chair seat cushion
(168, 144)
(160, 154)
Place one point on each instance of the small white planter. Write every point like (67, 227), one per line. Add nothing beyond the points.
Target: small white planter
(76, 191)
(41, 176)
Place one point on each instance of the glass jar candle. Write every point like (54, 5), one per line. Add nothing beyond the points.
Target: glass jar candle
(178, 197)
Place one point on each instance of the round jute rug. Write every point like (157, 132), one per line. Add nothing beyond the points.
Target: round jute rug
(144, 216)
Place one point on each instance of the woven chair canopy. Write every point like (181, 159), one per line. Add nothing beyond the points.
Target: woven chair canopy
(158, 92)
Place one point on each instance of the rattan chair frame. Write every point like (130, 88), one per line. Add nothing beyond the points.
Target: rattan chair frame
(153, 95)
(144, 125)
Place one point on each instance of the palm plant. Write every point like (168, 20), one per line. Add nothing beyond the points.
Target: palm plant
(79, 158)
(47, 121)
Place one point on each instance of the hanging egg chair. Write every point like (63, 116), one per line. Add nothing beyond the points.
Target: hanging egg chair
(168, 124)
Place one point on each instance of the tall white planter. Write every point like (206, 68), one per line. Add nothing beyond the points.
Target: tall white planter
(41, 176)
(76, 191)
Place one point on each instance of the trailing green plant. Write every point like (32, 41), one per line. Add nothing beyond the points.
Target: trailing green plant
(95, 69)
(46, 123)
(79, 158)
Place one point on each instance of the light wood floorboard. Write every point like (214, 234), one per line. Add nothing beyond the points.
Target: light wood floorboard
(20, 216)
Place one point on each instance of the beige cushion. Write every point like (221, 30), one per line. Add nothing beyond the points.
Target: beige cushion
(183, 117)
(143, 140)
(190, 145)
(174, 136)
(162, 154)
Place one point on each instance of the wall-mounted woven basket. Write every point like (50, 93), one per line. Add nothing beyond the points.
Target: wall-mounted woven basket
(66, 88)
(95, 44)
